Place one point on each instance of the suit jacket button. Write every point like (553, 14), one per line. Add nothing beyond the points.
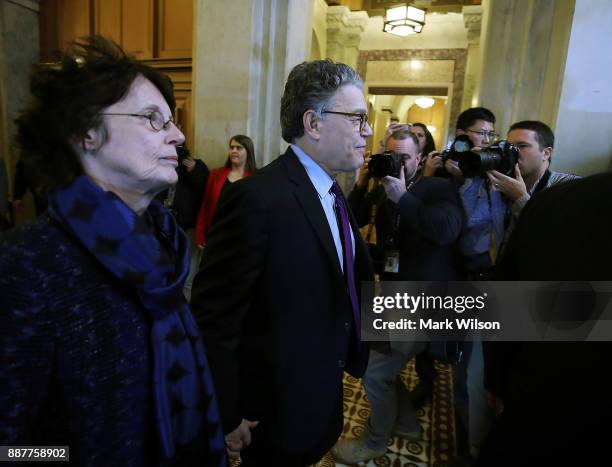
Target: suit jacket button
(341, 363)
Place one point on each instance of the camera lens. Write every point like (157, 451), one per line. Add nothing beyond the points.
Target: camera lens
(490, 160)
(182, 152)
(501, 156)
(470, 164)
(462, 146)
(381, 165)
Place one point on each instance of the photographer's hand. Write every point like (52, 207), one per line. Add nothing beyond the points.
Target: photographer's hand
(239, 439)
(189, 163)
(395, 187)
(512, 188)
(452, 167)
(432, 163)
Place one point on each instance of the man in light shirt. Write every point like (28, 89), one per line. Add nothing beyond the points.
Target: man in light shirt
(276, 298)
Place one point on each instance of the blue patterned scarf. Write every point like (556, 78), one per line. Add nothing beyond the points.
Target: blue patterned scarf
(150, 254)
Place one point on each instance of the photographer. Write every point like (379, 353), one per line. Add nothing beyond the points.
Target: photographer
(486, 212)
(535, 141)
(485, 208)
(183, 199)
(417, 221)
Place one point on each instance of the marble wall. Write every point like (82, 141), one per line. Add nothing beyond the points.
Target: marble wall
(241, 71)
(19, 52)
(440, 60)
(344, 30)
(319, 29)
(472, 19)
(411, 71)
(584, 122)
(524, 44)
(545, 60)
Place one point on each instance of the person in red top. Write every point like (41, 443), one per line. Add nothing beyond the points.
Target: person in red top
(240, 163)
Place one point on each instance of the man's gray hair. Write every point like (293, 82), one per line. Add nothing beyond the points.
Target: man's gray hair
(311, 86)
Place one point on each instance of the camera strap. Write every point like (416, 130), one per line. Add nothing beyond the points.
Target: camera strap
(493, 250)
(370, 233)
(376, 197)
(392, 257)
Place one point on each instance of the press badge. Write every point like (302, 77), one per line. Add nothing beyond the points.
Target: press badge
(392, 261)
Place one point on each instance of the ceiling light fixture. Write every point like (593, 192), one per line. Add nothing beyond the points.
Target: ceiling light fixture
(404, 20)
(424, 102)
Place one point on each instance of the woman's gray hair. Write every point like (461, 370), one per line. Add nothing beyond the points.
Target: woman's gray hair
(311, 86)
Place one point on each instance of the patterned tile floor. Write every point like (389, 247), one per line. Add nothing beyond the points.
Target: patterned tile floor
(438, 446)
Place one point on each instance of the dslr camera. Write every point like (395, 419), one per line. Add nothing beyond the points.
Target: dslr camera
(501, 156)
(387, 163)
(182, 152)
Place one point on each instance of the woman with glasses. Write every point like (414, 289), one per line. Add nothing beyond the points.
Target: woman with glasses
(98, 348)
(240, 163)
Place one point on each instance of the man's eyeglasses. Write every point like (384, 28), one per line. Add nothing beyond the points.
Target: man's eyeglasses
(485, 134)
(156, 119)
(363, 118)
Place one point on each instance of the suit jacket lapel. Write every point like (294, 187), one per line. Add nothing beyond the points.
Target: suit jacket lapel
(309, 200)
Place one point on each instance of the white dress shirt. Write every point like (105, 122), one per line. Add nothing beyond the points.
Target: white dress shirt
(322, 183)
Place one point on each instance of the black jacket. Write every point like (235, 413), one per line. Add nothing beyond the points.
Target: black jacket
(430, 222)
(22, 183)
(559, 389)
(273, 308)
(189, 191)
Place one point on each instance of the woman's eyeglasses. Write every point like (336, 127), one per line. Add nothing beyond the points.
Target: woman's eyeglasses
(156, 119)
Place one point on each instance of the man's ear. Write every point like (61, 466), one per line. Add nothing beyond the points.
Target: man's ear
(310, 120)
(547, 153)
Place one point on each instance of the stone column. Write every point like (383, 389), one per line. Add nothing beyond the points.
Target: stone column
(523, 47)
(242, 52)
(472, 18)
(583, 144)
(546, 60)
(344, 29)
(19, 51)
(319, 30)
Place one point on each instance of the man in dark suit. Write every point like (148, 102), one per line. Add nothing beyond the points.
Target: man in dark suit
(554, 399)
(424, 217)
(276, 297)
